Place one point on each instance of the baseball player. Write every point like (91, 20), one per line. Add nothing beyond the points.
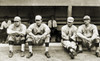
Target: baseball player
(16, 34)
(68, 33)
(38, 33)
(88, 34)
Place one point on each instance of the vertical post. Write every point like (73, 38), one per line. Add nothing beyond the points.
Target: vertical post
(69, 10)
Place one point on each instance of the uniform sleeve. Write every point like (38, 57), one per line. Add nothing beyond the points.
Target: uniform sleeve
(63, 34)
(9, 29)
(74, 35)
(2, 25)
(95, 32)
(79, 33)
(23, 30)
(55, 25)
(29, 30)
(47, 30)
(9, 23)
(49, 24)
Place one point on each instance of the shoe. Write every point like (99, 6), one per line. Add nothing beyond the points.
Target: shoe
(89, 49)
(97, 54)
(29, 55)
(10, 54)
(22, 53)
(80, 51)
(47, 54)
(71, 55)
(74, 53)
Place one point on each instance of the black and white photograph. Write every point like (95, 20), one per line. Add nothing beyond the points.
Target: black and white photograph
(49, 30)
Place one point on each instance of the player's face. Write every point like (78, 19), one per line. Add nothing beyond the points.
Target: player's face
(69, 24)
(17, 23)
(86, 22)
(38, 22)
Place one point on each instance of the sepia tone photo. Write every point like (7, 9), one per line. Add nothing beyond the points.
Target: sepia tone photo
(49, 30)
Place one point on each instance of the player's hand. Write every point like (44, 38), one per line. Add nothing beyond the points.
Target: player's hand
(21, 34)
(37, 38)
(89, 40)
(42, 36)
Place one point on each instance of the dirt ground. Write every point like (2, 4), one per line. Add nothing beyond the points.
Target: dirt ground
(38, 55)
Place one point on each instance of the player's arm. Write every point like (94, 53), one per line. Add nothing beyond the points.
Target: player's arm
(10, 31)
(79, 33)
(95, 32)
(49, 23)
(29, 30)
(2, 25)
(47, 31)
(74, 34)
(63, 34)
(55, 23)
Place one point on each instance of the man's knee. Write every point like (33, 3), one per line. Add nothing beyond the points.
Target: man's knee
(11, 42)
(10, 37)
(23, 40)
(30, 43)
(73, 43)
(47, 39)
(79, 41)
(97, 41)
(47, 44)
(96, 44)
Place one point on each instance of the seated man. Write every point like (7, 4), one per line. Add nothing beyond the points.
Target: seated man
(88, 34)
(16, 33)
(68, 33)
(38, 33)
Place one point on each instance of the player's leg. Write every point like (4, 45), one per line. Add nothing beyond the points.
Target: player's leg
(97, 41)
(47, 41)
(67, 45)
(79, 41)
(30, 54)
(73, 48)
(70, 48)
(22, 46)
(11, 43)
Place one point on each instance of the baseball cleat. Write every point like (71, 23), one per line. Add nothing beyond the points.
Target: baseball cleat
(47, 54)
(29, 55)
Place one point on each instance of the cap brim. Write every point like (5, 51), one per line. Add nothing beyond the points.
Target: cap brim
(86, 19)
(70, 21)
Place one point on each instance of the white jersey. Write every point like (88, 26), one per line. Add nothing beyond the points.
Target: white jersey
(5, 25)
(43, 28)
(11, 29)
(52, 23)
(67, 32)
(90, 31)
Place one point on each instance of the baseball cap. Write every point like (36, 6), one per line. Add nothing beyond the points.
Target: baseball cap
(70, 19)
(17, 18)
(38, 17)
(86, 17)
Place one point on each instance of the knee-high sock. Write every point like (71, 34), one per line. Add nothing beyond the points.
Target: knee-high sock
(46, 49)
(11, 48)
(22, 47)
(30, 48)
